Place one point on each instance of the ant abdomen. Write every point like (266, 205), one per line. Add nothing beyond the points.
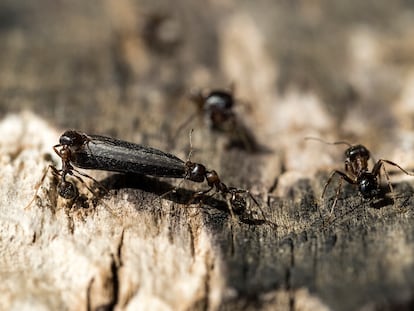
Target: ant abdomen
(67, 190)
(368, 185)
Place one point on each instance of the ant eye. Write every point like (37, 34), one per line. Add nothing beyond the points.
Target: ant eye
(67, 190)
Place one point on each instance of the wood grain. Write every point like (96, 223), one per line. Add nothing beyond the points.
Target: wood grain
(123, 69)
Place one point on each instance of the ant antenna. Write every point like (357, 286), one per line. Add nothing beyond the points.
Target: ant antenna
(174, 190)
(191, 145)
(342, 142)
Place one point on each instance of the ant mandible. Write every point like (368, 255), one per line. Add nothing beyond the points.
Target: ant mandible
(357, 172)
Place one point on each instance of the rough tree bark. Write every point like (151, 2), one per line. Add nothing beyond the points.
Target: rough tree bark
(121, 69)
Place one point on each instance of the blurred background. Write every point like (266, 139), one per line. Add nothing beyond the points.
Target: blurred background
(331, 69)
(336, 70)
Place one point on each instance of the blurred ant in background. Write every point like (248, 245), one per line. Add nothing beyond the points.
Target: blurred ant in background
(217, 109)
(357, 172)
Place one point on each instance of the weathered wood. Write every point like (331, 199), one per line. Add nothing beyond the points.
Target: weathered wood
(106, 68)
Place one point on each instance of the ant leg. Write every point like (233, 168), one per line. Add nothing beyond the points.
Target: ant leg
(377, 172)
(343, 177)
(233, 199)
(377, 168)
(326, 186)
(199, 194)
(257, 204)
(338, 191)
(245, 216)
(242, 191)
(56, 150)
(91, 178)
(82, 181)
(229, 205)
(348, 166)
(173, 190)
(243, 135)
(328, 182)
(55, 172)
(380, 162)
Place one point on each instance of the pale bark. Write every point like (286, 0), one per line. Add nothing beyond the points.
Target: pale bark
(138, 248)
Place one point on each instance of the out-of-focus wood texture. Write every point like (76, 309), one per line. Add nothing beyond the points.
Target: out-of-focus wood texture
(123, 68)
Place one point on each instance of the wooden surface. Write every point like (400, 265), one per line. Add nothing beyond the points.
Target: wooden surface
(299, 69)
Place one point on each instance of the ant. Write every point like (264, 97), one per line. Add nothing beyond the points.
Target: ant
(66, 189)
(106, 153)
(197, 172)
(236, 203)
(357, 172)
(217, 108)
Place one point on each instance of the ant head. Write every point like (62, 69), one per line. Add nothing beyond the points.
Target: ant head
(195, 172)
(219, 100)
(72, 138)
(357, 151)
(67, 190)
(368, 185)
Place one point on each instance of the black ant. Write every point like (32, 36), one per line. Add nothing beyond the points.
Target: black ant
(106, 153)
(217, 108)
(357, 172)
(66, 189)
(235, 201)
